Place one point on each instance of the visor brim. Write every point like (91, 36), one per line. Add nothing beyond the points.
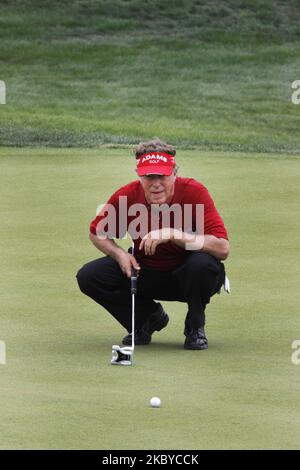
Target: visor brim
(158, 170)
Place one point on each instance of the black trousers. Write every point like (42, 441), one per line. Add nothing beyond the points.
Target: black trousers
(194, 282)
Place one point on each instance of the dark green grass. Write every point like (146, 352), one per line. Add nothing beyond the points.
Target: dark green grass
(215, 75)
(58, 389)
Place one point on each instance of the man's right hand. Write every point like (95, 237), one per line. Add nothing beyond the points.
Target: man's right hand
(109, 247)
(126, 262)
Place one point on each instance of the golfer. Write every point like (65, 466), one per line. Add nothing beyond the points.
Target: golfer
(179, 240)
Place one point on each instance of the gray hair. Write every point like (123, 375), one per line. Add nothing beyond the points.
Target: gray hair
(155, 145)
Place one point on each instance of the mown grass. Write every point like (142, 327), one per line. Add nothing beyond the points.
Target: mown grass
(58, 389)
(215, 75)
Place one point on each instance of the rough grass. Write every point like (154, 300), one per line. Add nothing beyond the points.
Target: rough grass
(212, 75)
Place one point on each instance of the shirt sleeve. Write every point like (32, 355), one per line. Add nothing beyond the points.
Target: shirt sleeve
(213, 222)
(106, 222)
(210, 222)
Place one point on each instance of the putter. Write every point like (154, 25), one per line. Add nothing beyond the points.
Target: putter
(124, 356)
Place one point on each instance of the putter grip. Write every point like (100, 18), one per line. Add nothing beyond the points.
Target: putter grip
(133, 280)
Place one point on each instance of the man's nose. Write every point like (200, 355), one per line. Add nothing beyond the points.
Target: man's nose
(156, 180)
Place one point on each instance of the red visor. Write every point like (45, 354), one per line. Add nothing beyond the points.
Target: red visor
(155, 163)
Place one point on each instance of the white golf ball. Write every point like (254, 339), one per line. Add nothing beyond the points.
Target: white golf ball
(155, 402)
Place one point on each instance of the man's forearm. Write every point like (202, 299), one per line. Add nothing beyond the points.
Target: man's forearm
(218, 247)
(106, 245)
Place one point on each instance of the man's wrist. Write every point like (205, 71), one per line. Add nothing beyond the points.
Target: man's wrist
(176, 234)
(118, 251)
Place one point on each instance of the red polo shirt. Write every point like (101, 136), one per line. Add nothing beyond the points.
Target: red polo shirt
(168, 256)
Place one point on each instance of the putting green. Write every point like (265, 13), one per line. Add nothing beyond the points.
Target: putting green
(58, 389)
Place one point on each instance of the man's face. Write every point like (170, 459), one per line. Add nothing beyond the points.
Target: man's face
(158, 189)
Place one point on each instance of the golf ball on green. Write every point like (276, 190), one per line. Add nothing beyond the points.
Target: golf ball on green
(155, 402)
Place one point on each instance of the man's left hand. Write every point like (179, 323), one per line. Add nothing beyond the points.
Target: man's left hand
(154, 238)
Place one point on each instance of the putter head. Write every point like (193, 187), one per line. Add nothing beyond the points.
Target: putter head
(122, 356)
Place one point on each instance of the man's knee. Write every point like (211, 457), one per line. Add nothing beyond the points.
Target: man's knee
(84, 278)
(199, 263)
(99, 276)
